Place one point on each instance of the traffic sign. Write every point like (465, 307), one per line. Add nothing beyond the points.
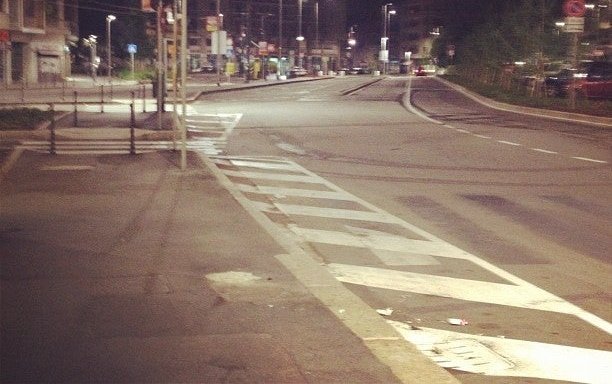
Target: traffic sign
(132, 48)
(574, 8)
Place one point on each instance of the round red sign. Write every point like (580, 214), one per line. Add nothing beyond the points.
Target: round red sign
(574, 8)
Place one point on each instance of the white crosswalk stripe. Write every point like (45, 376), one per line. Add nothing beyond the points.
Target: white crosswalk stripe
(277, 178)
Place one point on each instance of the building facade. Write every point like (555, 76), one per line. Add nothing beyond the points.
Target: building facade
(267, 29)
(35, 40)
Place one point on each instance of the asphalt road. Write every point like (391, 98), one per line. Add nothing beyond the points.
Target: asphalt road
(497, 219)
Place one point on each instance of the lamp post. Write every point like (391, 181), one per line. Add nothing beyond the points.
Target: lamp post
(317, 42)
(109, 19)
(300, 37)
(279, 71)
(384, 42)
(91, 41)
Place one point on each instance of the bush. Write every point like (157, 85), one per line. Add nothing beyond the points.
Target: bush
(22, 118)
(138, 75)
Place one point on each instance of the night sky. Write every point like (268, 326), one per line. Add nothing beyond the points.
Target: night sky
(363, 13)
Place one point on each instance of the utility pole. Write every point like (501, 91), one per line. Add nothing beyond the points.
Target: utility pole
(184, 54)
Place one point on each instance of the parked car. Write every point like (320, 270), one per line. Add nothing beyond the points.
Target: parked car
(359, 71)
(598, 82)
(425, 70)
(559, 83)
(297, 72)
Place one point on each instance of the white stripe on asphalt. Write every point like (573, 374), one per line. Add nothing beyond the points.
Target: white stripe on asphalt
(589, 159)
(496, 356)
(274, 176)
(455, 288)
(335, 213)
(386, 242)
(309, 193)
(264, 165)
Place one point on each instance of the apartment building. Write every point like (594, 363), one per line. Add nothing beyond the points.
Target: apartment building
(35, 40)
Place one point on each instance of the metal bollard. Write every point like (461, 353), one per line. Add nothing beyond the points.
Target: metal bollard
(52, 126)
(144, 99)
(75, 122)
(132, 112)
(101, 98)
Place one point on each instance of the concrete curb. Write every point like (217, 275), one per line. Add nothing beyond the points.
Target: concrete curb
(559, 115)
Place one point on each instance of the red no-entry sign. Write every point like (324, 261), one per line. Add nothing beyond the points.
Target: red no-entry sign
(574, 8)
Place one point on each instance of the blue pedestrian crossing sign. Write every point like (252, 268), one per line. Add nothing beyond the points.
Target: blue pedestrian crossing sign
(132, 48)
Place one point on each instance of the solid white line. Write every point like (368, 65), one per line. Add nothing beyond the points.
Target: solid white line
(544, 151)
(462, 130)
(588, 159)
(527, 358)
(509, 143)
(482, 136)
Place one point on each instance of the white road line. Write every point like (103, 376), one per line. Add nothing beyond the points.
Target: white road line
(335, 213)
(482, 136)
(509, 357)
(263, 165)
(591, 160)
(274, 176)
(283, 192)
(379, 241)
(544, 151)
(455, 288)
(509, 143)
(462, 130)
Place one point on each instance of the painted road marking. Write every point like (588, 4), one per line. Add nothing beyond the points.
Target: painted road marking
(455, 288)
(335, 213)
(381, 241)
(495, 356)
(483, 136)
(509, 143)
(535, 298)
(544, 151)
(273, 176)
(284, 192)
(588, 159)
(480, 354)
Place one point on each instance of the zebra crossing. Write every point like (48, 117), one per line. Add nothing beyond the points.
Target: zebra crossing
(206, 133)
(315, 212)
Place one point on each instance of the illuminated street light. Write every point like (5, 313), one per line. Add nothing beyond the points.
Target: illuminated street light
(109, 19)
(300, 37)
(384, 42)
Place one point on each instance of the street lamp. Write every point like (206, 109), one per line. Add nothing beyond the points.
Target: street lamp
(384, 42)
(92, 41)
(300, 38)
(109, 19)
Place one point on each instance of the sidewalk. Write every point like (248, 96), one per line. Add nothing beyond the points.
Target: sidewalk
(125, 269)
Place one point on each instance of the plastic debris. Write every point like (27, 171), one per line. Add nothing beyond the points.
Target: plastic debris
(385, 312)
(341, 310)
(454, 321)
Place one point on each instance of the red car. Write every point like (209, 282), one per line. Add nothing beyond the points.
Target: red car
(598, 82)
